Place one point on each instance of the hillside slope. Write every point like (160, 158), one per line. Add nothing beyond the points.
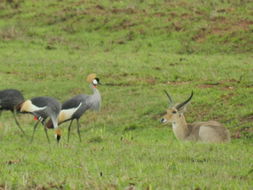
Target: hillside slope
(194, 26)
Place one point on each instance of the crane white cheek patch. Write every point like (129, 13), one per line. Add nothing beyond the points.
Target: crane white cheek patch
(95, 82)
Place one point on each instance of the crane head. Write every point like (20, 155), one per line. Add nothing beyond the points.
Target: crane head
(92, 78)
(95, 82)
(57, 134)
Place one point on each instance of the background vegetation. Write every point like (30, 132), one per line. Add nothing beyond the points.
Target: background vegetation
(138, 49)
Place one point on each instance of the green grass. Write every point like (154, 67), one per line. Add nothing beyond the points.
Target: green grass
(138, 49)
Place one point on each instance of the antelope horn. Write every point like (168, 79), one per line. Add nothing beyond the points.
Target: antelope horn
(185, 102)
(170, 99)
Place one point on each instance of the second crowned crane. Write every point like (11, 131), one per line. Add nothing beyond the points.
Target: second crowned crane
(43, 107)
(75, 107)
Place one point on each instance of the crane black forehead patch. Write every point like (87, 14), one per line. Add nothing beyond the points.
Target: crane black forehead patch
(97, 79)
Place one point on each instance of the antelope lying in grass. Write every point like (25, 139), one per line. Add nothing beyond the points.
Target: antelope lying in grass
(210, 131)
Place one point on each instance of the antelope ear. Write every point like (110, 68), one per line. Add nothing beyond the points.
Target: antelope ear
(182, 109)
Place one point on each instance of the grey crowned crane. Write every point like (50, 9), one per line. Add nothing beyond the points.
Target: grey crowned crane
(43, 107)
(10, 99)
(75, 107)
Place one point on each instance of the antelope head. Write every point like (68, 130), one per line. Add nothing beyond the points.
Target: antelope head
(175, 111)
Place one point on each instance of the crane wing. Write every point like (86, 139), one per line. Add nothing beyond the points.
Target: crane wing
(74, 102)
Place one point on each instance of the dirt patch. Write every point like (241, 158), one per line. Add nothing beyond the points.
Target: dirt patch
(133, 82)
(243, 132)
(117, 84)
(176, 83)
(231, 27)
(131, 187)
(130, 128)
(99, 7)
(11, 32)
(221, 26)
(177, 26)
(199, 160)
(228, 88)
(246, 130)
(248, 117)
(223, 85)
(125, 24)
(186, 16)
(126, 11)
(132, 79)
(3, 187)
(226, 97)
(157, 68)
(206, 85)
(97, 139)
(11, 162)
(150, 81)
(50, 185)
(215, 85)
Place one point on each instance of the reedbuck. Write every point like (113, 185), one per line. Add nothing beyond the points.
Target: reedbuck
(210, 131)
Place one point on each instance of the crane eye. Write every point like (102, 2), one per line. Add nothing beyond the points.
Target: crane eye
(174, 111)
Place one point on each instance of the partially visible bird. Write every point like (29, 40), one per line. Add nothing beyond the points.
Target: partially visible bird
(75, 107)
(43, 107)
(10, 99)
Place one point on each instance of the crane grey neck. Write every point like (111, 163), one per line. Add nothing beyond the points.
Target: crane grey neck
(95, 98)
(95, 90)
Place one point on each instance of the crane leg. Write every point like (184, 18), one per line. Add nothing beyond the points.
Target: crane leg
(16, 121)
(45, 129)
(78, 130)
(69, 129)
(34, 129)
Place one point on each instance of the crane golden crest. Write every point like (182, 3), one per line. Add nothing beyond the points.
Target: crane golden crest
(91, 77)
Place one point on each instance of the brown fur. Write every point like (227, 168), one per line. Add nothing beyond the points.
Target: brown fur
(210, 131)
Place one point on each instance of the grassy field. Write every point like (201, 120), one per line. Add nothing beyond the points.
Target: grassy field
(138, 49)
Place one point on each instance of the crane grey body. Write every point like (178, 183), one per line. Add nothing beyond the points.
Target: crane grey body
(10, 99)
(43, 107)
(75, 107)
(83, 102)
(47, 107)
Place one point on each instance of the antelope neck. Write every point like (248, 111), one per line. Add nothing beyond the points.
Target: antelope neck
(180, 128)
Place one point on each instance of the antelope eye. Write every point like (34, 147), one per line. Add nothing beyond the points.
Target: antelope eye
(174, 111)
